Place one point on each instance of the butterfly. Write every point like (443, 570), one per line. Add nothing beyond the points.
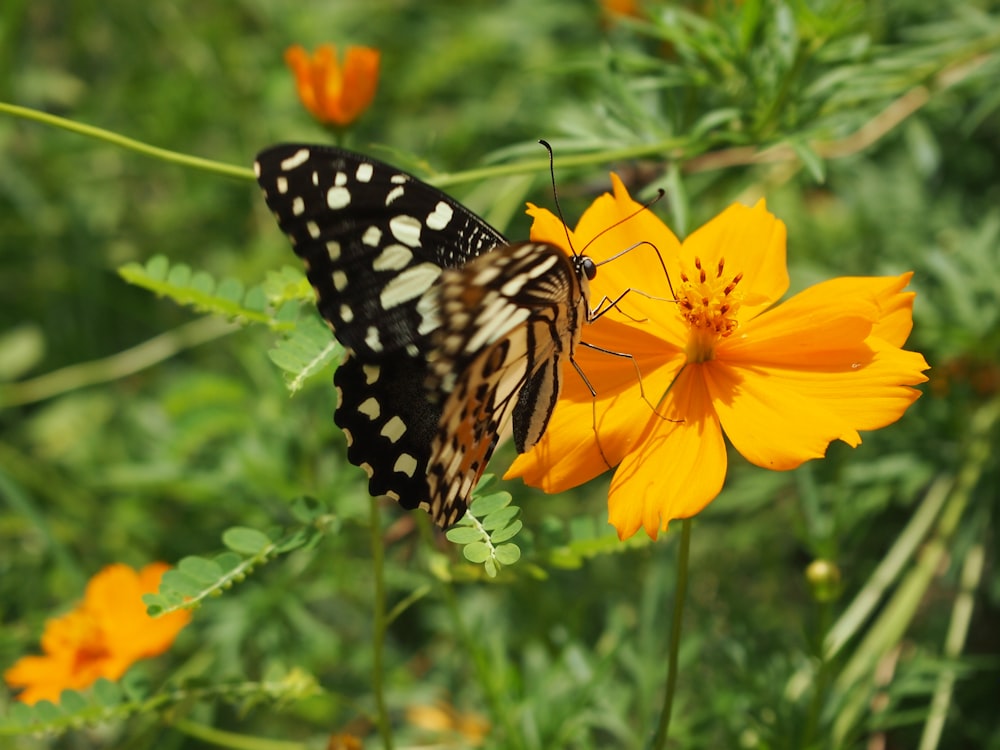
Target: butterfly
(455, 338)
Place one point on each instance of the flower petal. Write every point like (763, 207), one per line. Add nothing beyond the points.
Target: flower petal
(586, 435)
(777, 418)
(677, 469)
(612, 224)
(361, 68)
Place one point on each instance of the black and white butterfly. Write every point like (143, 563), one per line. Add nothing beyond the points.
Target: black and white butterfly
(455, 337)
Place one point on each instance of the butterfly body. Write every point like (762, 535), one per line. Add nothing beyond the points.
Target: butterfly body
(455, 338)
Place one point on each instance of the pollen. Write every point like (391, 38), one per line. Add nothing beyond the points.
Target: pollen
(708, 300)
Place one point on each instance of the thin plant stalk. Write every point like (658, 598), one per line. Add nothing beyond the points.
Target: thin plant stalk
(380, 626)
(680, 591)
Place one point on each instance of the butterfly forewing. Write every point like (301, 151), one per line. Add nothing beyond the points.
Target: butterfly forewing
(373, 239)
(454, 338)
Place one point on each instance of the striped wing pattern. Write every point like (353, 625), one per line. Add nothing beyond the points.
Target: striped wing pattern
(454, 337)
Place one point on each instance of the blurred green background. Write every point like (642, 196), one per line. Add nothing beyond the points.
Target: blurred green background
(566, 648)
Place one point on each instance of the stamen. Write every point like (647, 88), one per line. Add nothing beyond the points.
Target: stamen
(709, 306)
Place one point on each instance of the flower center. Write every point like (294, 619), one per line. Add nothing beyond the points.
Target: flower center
(708, 302)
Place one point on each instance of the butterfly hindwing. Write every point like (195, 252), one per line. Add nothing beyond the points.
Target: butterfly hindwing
(389, 423)
(507, 321)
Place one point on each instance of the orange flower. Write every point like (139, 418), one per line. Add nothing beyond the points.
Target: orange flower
(781, 382)
(335, 95)
(102, 637)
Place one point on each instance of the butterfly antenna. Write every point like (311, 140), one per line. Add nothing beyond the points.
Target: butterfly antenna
(555, 193)
(644, 207)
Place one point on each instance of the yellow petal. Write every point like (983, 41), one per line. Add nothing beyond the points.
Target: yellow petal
(778, 418)
(612, 224)
(811, 371)
(676, 470)
(751, 241)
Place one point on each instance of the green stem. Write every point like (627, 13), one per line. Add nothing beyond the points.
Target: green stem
(116, 366)
(380, 625)
(222, 738)
(958, 630)
(207, 165)
(683, 555)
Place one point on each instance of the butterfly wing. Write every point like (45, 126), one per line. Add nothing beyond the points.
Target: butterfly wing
(454, 339)
(373, 239)
(508, 321)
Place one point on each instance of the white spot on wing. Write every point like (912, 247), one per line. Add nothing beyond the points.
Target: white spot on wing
(282, 184)
(338, 197)
(339, 280)
(396, 192)
(430, 318)
(395, 257)
(371, 373)
(398, 179)
(297, 159)
(313, 228)
(346, 314)
(373, 340)
(410, 284)
(364, 173)
(372, 236)
(406, 229)
(393, 429)
(439, 218)
(298, 206)
(333, 249)
(340, 179)
(495, 325)
(370, 408)
(405, 464)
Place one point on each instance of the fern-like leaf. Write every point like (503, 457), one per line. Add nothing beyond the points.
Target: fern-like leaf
(198, 289)
(196, 578)
(307, 350)
(486, 529)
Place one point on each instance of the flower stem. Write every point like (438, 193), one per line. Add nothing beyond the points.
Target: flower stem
(379, 626)
(662, 730)
(207, 165)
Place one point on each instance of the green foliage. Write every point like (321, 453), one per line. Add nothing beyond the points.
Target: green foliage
(871, 128)
(199, 290)
(487, 528)
(196, 578)
(306, 351)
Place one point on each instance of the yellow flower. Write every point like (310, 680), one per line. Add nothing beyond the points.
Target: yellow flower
(781, 382)
(335, 95)
(102, 637)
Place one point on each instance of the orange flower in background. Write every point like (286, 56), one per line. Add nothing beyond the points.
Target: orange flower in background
(335, 95)
(107, 632)
(781, 382)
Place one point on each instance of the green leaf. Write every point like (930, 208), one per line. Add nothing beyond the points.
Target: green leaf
(508, 532)
(483, 506)
(199, 290)
(245, 540)
(107, 693)
(180, 583)
(307, 351)
(200, 569)
(491, 567)
(464, 535)
(507, 554)
(477, 552)
(500, 518)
